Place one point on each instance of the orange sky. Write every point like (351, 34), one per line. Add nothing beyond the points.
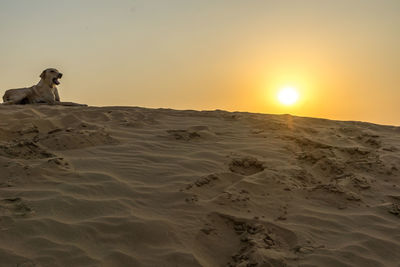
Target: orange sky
(343, 56)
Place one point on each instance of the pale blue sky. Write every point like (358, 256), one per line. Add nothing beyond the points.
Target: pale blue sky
(343, 55)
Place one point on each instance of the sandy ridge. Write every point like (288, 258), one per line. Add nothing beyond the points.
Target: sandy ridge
(120, 186)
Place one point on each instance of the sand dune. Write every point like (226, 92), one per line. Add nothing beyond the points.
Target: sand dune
(119, 186)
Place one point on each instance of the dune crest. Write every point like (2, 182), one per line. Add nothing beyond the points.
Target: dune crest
(120, 186)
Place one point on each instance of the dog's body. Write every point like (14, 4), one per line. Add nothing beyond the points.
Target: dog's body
(45, 92)
(32, 95)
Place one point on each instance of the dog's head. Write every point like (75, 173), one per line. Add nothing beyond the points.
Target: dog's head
(51, 76)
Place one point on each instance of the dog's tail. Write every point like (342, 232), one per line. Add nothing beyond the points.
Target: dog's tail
(5, 97)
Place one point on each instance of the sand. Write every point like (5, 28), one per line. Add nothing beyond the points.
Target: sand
(120, 186)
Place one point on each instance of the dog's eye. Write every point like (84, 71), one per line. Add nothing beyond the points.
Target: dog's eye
(52, 71)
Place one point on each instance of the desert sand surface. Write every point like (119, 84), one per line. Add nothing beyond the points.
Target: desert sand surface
(127, 186)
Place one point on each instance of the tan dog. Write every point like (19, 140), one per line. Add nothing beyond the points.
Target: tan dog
(45, 92)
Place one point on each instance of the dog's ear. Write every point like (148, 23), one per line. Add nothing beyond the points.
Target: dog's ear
(43, 75)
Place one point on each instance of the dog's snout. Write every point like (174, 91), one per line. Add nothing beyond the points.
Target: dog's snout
(60, 75)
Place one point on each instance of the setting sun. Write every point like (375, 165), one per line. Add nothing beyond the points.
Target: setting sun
(288, 96)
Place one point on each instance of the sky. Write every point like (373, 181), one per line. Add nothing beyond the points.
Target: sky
(343, 56)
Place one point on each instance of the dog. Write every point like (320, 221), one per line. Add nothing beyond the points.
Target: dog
(45, 92)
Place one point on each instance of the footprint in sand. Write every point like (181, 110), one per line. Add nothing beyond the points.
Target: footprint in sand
(183, 135)
(211, 186)
(395, 209)
(60, 162)
(24, 150)
(68, 139)
(14, 206)
(246, 166)
(251, 242)
(370, 140)
(193, 133)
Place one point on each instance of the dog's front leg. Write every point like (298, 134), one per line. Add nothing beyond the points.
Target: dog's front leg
(56, 95)
(69, 104)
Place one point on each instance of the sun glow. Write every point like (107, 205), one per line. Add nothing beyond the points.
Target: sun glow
(288, 96)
